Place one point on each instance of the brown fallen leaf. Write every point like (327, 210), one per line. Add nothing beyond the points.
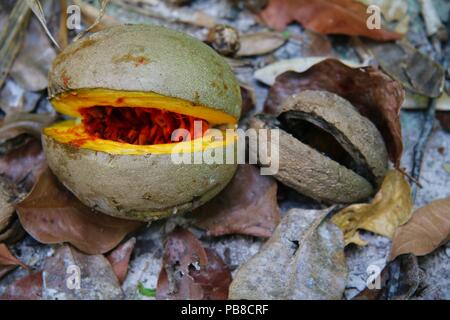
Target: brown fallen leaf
(428, 229)
(260, 43)
(16, 124)
(26, 288)
(7, 261)
(67, 266)
(51, 214)
(27, 161)
(248, 99)
(303, 260)
(190, 271)
(373, 93)
(7, 197)
(248, 205)
(325, 16)
(416, 71)
(390, 208)
(444, 119)
(120, 258)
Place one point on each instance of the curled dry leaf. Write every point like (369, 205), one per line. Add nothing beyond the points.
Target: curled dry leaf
(190, 271)
(26, 288)
(325, 16)
(97, 278)
(248, 205)
(415, 70)
(374, 94)
(260, 43)
(51, 214)
(428, 229)
(304, 259)
(390, 208)
(16, 124)
(120, 258)
(7, 261)
(269, 73)
(248, 99)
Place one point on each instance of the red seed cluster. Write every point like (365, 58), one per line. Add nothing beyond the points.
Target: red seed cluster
(140, 126)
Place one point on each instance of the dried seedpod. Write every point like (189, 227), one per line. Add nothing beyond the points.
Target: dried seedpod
(224, 39)
(130, 87)
(327, 150)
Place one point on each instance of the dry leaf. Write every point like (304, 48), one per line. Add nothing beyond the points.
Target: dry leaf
(51, 214)
(15, 124)
(97, 278)
(27, 161)
(26, 288)
(415, 70)
(248, 205)
(428, 229)
(325, 16)
(269, 73)
(390, 208)
(374, 94)
(304, 259)
(120, 258)
(248, 99)
(260, 43)
(393, 10)
(7, 197)
(190, 271)
(7, 261)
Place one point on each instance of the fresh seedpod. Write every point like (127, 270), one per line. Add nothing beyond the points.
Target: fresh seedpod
(129, 89)
(327, 149)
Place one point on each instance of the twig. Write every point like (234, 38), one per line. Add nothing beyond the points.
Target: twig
(419, 149)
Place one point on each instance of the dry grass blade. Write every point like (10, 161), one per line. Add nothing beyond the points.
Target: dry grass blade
(11, 37)
(36, 7)
(101, 12)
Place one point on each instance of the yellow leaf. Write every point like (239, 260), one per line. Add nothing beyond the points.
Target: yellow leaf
(390, 208)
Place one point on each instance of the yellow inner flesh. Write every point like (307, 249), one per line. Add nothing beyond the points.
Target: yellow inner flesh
(72, 131)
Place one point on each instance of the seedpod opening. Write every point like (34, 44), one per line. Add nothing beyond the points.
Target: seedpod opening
(143, 121)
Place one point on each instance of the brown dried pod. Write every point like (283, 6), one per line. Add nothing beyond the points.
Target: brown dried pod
(327, 150)
(224, 39)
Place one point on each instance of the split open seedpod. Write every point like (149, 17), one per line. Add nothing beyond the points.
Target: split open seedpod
(327, 150)
(128, 89)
